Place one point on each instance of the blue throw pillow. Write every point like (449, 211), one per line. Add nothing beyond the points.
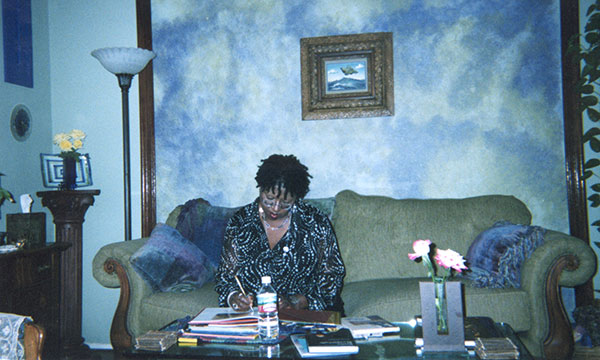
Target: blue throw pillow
(170, 262)
(496, 255)
(204, 225)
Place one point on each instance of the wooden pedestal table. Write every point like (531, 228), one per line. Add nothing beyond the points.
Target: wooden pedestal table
(68, 208)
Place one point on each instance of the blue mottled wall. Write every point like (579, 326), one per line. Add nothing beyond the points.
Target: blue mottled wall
(477, 101)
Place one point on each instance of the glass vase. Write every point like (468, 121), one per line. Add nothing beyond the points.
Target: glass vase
(441, 305)
(69, 174)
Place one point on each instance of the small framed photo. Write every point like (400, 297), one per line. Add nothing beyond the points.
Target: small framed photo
(347, 76)
(52, 170)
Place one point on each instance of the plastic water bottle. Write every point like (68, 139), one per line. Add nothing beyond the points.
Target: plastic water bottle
(268, 319)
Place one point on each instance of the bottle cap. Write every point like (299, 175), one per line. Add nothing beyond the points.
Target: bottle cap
(266, 279)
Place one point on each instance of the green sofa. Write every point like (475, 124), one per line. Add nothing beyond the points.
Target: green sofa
(375, 234)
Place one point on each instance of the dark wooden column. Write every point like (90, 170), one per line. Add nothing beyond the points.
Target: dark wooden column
(147, 141)
(574, 156)
(68, 209)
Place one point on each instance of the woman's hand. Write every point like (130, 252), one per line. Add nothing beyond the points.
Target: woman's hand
(297, 302)
(240, 302)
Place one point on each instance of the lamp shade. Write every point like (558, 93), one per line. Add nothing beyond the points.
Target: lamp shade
(123, 60)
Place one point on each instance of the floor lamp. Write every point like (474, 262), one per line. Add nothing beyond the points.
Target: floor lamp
(125, 63)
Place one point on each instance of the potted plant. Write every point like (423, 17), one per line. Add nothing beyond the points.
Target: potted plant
(5, 194)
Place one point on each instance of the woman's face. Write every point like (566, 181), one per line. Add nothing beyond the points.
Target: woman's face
(274, 204)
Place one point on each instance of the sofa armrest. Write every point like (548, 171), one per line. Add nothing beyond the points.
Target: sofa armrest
(562, 260)
(33, 341)
(120, 252)
(112, 269)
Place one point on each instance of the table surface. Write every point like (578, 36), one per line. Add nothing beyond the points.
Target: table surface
(389, 347)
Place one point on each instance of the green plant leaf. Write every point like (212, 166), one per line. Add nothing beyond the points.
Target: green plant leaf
(587, 89)
(596, 187)
(587, 69)
(591, 163)
(593, 114)
(595, 200)
(591, 37)
(587, 174)
(594, 131)
(593, 23)
(589, 100)
(594, 75)
(595, 144)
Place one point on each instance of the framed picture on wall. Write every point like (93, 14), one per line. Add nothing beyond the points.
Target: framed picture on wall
(347, 76)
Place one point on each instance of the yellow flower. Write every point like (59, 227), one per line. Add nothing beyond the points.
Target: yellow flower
(69, 143)
(65, 145)
(60, 137)
(77, 134)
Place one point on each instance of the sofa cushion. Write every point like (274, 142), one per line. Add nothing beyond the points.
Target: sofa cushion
(375, 230)
(495, 256)
(398, 300)
(170, 262)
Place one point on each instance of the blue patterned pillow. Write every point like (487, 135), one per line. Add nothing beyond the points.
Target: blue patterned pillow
(496, 255)
(170, 262)
(204, 225)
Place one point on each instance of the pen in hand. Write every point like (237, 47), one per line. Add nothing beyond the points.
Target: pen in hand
(239, 284)
(237, 280)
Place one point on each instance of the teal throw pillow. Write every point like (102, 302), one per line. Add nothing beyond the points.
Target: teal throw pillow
(170, 262)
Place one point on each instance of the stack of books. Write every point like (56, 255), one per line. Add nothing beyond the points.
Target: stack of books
(220, 324)
(496, 348)
(156, 340)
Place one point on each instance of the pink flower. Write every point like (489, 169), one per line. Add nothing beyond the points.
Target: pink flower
(450, 259)
(421, 248)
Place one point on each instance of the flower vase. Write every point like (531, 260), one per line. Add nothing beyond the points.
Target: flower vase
(441, 306)
(69, 174)
(442, 316)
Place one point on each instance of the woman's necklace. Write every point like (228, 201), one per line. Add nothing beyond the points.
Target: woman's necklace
(271, 227)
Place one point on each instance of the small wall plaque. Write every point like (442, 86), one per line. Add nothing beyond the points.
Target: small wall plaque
(20, 122)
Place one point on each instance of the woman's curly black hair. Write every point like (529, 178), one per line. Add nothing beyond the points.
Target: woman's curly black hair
(283, 171)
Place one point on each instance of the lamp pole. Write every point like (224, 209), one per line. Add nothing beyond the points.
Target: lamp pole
(125, 84)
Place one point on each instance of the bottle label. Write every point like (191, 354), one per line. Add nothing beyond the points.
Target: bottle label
(267, 302)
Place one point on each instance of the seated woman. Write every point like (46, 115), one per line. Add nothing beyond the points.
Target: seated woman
(281, 236)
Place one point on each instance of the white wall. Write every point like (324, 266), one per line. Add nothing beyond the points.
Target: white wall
(20, 161)
(87, 97)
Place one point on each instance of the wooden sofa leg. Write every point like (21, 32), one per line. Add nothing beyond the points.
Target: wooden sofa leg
(119, 336)
(559, 343)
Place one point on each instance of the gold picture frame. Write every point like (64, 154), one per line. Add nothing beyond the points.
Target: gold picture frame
(347, 76)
